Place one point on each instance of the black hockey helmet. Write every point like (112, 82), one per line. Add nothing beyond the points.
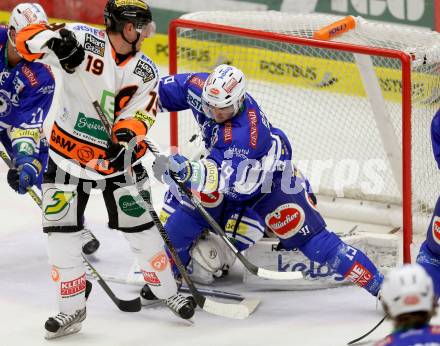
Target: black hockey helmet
(119, 12)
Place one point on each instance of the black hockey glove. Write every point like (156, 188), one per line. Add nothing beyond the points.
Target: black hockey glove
(116, 152)
(68, 50)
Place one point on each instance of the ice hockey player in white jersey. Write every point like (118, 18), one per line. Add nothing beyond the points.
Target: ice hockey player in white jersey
(26, 93)
(250, 164)
(124, 81)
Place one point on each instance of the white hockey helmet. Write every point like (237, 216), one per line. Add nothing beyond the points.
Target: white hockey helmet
(24, 14)
(407, 289)
(225, 87)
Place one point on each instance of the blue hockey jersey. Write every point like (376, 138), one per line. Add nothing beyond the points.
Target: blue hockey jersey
(246, 150)
(26, 92)
(426, 336)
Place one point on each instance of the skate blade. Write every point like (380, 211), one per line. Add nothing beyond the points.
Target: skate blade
(71, 330)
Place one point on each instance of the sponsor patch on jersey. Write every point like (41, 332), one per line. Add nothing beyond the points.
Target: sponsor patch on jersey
(92, 44)
(227, 132)
(387, 341)
(358, 274)
(30, 75)
(145, 118)
(151, 278)
(144, 70)
(57, 203)
(160, 261)
(194, 100)
(197, 81)
(130, 207)
(435, 329)
(85, 153)
(436, 229)
(55, 274)
(253, 131)
(310, 200)
(286, 220)
(73, 287)
(209, 200)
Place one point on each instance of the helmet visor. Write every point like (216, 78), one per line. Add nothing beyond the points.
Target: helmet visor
(218, 114)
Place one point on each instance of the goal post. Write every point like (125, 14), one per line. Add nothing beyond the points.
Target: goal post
(357, 107)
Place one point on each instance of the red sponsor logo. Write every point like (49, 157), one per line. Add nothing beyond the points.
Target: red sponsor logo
(436, 229)
(286, 220)
(73, 287)
(214, 91)
(159, 261)
(227, 132)
(253, 122)
(151, 278)
(197, 81)
(55, 274)
(411, 300)
(209, 200)
(229, 86)
(435, 329)
(359, 275)
(30, 76)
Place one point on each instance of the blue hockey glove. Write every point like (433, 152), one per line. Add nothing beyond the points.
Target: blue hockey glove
(177, 164)
(25, 174)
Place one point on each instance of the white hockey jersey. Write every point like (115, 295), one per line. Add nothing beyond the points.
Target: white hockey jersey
(124, 91)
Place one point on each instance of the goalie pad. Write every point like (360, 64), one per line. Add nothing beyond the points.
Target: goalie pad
(211, 258)
(382, 249)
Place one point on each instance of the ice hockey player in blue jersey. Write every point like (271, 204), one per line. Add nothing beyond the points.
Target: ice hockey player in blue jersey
(250, 163)
(26, 93)
(408, 299)
(429, 254)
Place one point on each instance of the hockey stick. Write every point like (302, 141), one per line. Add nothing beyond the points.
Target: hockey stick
(367, 333)
(133, 305)
(238, 311)
(258, 271)
(124, 305)
(184, 289)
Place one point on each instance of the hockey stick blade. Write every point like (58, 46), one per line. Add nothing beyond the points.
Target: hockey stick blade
(258, 271)
(367, 333)
(133, 305)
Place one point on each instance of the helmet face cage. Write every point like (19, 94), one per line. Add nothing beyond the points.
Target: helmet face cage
(119, 12)
(225, 87)
(23, 15)
(407, 289)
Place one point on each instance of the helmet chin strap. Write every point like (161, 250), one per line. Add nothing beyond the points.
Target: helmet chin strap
(133, 44)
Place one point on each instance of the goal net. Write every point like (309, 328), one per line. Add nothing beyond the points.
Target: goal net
(357, 107)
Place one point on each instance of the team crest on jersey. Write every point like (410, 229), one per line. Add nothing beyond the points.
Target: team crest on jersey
(92, 44)
(286, 220)
(145, 71)
(436, 229)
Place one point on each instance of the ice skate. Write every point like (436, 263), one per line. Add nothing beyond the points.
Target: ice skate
(90, 244)
(64, 324)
